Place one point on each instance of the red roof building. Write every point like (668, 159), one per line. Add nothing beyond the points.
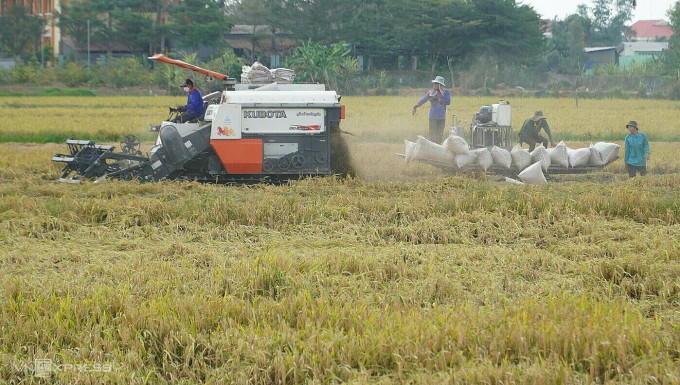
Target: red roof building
(650, 30)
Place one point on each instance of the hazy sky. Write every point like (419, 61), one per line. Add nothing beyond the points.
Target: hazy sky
(645, 10)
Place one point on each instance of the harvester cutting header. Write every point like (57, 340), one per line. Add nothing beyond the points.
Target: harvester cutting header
(247, 133)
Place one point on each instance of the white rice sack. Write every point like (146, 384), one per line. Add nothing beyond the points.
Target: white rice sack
(465, 160)
(578, 157)
(409, 149)
(484, 158)
(559, 156)
(532, 174)
(521, 158)
(541, 154)
(501, 157)
(596, 158)
(609, 151)
(515, 181)
(427, 150)
(457, 145)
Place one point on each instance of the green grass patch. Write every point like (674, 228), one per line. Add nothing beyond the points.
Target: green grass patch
(56, 91)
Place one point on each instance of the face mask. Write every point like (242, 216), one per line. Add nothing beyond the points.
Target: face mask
(186, 89)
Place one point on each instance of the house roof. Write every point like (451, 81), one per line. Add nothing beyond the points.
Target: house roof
(649, 30)
(260, 38)
(596, 49)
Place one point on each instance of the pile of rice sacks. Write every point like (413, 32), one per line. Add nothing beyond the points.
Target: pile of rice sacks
(531, 165)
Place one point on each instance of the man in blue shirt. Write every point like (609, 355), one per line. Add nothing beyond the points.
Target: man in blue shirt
(439, 97)
(636, 150)
(193, 110)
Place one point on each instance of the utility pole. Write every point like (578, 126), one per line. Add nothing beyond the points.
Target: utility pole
(88, 45)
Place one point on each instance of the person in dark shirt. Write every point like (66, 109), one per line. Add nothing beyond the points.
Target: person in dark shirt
(194, 107)
(531, 128)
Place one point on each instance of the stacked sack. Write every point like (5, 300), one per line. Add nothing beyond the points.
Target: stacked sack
(531, 165)
(260, 74)
(283, 75)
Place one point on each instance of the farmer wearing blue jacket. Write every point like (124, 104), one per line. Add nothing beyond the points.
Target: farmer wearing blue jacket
(637, 150)
(439, 97)
(194, 107)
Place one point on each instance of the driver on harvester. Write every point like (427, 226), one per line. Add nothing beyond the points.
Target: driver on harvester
(193, 110)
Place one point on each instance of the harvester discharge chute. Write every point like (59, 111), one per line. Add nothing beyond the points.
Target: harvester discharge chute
(248, 133)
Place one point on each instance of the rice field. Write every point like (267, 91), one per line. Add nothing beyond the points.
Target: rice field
(404, 274)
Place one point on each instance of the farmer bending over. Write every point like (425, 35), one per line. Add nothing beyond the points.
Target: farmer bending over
(529, 133)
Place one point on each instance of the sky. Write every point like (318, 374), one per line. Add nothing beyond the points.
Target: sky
(645, 9)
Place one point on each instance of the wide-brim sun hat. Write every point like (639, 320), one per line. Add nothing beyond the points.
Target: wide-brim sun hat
(538, 115)
(440, 80)
(632, 123)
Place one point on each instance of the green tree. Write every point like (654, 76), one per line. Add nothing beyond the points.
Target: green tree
(196, 23)
(609, 18)
(20, 31)
(510, 32)
(671, 57)
(314, 62)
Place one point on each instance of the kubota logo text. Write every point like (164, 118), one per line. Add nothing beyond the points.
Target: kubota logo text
(269, 114)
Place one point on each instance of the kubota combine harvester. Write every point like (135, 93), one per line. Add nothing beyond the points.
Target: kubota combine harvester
(249, 133)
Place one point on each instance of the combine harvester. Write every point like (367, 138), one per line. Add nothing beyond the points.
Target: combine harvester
(491, 150)
(249, 133)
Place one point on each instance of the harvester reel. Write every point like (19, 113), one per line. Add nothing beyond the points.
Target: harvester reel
(130, 144)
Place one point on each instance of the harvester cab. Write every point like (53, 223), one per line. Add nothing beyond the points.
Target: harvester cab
(248, 133)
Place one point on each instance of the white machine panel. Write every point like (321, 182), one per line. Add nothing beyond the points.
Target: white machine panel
(283, 120)
(227, 122)
(210, 112)
(306, 98)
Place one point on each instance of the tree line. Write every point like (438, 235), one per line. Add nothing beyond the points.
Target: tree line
(479, 35)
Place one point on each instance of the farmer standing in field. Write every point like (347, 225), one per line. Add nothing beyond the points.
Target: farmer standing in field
(636, 150)
(529, 133)
(194, 107)
(439, 97)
